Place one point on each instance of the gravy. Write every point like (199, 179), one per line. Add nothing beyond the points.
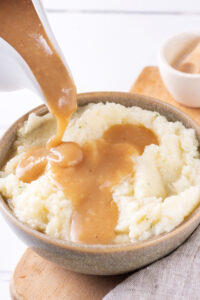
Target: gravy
(21, 27)
(87, 174)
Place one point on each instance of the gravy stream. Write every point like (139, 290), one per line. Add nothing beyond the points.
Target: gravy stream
(21, 27)
(88, 174)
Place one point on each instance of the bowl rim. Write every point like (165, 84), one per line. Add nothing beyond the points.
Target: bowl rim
(162, 58)
(83, 99)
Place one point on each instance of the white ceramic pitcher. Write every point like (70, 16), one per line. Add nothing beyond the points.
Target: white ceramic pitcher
(14, 72)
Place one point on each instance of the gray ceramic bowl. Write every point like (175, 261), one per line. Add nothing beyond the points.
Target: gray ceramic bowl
(103, 259)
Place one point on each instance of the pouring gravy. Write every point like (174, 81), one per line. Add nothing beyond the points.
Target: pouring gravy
(87, 174)
(21, 27)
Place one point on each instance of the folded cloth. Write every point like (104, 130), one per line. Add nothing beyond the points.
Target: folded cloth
(175, 277)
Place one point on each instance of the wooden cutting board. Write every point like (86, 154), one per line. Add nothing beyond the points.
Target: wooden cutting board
(37, 279)
(149, 83)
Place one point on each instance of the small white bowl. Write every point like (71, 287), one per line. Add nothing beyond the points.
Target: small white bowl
(184, 87)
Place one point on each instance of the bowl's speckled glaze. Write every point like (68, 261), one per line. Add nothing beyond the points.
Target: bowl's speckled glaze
(102, 259)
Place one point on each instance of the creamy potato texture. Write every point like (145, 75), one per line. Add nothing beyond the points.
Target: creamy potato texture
(164, 190)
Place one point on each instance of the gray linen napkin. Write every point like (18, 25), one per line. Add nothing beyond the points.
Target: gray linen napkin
(175, 277)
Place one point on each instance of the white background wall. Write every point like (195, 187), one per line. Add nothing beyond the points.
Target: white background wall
(106, 44)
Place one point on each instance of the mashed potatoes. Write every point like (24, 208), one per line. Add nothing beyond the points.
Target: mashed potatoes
(164, 190)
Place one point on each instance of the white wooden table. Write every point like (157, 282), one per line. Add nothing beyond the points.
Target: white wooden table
(106, 44)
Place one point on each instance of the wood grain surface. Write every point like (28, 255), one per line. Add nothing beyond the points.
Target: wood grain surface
(37, 279)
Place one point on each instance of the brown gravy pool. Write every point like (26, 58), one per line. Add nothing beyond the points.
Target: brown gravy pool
(87, 174)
